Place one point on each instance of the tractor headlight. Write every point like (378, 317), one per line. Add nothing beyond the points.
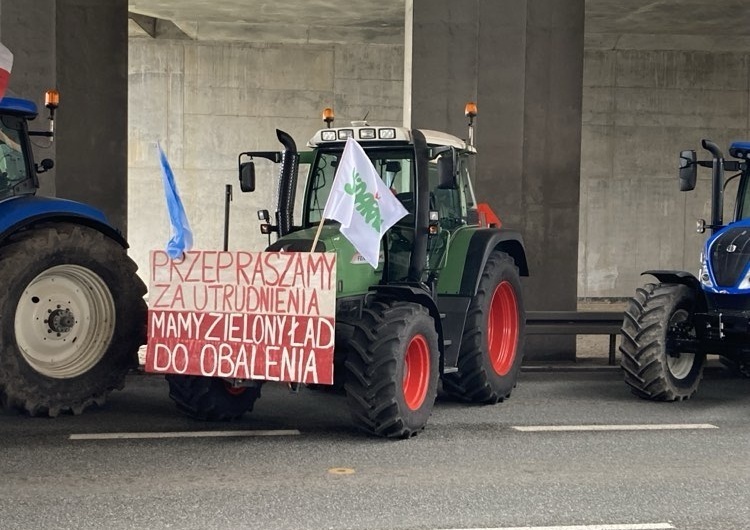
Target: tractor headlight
(703, 275)
(745, 284)
(387, 134)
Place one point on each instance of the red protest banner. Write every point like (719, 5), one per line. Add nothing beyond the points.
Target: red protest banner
(246, 315)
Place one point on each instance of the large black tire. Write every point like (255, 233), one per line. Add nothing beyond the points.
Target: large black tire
(651, 370)
(493, 339)
(72, 317)
(211, 398)
(392, 369)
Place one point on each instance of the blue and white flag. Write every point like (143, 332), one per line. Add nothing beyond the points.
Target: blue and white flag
(182, 237)
(362, 202)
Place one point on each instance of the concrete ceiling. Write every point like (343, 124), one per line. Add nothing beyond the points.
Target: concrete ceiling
(291, 20)
(311, 20)
(674, 17)
(358, 13)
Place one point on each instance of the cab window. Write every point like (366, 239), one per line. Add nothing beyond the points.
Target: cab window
(395, 168)
(12, 161)
(743, 199)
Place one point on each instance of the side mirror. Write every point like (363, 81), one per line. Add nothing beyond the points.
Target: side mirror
(45, 165)
(247, 176)
(688, 170)
(446, 173)
(393, 166)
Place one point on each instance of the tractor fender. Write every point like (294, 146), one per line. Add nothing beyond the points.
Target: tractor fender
(681, 278)
(18, 213)
(483, 242)
(417, 295)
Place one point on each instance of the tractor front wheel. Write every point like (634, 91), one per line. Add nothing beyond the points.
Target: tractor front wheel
(392, 369)
(211, 398)
(655, 366)
(72, 317)
(492, 343)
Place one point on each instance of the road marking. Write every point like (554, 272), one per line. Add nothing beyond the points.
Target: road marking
(341, 471)
(185, 434)
(644, 526)
(636, 427)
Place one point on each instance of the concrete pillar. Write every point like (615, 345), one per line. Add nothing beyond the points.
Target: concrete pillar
(81, 48)
(28, 30)
(522, 62)
(92, 75)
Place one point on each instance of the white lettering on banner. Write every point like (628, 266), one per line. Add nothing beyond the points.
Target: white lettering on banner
(277, 269)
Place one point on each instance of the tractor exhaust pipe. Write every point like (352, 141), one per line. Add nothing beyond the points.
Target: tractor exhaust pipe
(287, 183)
(717, 184)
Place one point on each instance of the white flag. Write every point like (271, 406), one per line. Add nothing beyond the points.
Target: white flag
(362, 203)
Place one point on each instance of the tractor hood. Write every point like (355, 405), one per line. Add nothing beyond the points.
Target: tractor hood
(354, 275)
(726, 260)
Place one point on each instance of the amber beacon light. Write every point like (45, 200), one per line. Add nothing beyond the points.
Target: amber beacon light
(328, 116)
(470, 111)
(51, 101)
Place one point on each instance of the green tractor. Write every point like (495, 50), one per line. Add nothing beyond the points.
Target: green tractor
(444, 302)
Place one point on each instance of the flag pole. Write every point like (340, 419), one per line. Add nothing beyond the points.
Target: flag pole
(317, 234)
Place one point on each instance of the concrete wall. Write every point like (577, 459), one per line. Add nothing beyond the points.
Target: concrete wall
(208, 101)
(645, 98)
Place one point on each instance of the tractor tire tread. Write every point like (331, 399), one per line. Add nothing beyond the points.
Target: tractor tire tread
(643, 344)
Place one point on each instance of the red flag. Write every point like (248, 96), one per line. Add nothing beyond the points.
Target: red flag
(6, 63)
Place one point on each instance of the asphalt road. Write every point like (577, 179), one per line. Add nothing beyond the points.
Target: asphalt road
(469, 469)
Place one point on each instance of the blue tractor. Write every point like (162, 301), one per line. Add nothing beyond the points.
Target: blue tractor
(72, 314)
(670, 326)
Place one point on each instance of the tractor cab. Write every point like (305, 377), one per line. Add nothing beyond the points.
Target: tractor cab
(427, 171)
(741, 150)
(18, 172)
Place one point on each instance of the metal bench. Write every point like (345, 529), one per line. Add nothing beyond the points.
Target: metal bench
(576, 323)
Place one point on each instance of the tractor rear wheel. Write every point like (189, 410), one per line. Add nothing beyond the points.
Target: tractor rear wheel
(654, 367)
(392, 369)
(492, 343)
(72, 317)
(211, 398)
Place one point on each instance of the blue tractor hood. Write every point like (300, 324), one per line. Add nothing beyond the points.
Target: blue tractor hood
(25, 210)
(726, 260)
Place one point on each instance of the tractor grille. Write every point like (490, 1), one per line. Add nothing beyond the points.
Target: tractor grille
(729, 255)
(718, 303)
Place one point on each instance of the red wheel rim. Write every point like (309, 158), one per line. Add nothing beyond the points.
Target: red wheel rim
(416, 372)
(502, 328)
